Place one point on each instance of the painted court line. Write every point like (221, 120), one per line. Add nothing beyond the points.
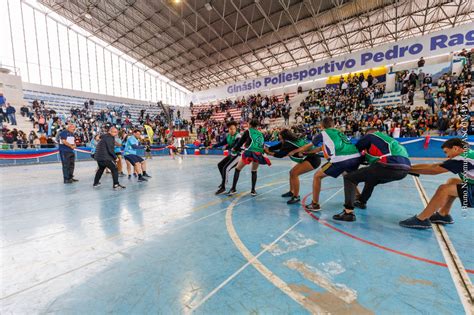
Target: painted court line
(461, 280)
(362, 240)
(131, 246)
(267, 273)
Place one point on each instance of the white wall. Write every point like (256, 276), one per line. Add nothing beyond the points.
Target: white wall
(12, 88)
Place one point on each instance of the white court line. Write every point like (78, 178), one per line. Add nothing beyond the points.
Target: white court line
(461, 279)
(253, 260)
(131, 246)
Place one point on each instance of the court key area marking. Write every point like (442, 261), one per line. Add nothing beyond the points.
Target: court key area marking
(253, 260)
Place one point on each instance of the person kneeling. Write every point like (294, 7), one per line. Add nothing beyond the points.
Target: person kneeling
(461, 162)
(105, 157)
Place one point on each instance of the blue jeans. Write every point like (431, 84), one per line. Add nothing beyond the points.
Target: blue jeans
(12, 119)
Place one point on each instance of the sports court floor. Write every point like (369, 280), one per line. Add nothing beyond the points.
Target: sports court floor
(170, 246)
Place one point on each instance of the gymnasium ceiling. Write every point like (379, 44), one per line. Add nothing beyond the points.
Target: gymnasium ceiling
(201, 44)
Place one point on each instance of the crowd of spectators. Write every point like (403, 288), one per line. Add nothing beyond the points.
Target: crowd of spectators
(47, 124)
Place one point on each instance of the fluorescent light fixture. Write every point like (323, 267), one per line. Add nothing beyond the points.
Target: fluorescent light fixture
(208, 6)
(88, 16)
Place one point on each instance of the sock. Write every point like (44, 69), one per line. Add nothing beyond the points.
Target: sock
(236, 179)
(254, 179)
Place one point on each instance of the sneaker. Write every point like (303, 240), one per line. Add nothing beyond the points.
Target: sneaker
(345, 216)
(121, 174)
(293, 200)
(142, 179)
(74, 180)
(118, 187)
(96, 185)
(231, 192)
(253, 193)
(360, 205)
(287, 195)
(129, 176)
(220, 191)
(415, 223)
(135, 175)
(314, 207)
(441, 219)
(68, 181)
(146, 175)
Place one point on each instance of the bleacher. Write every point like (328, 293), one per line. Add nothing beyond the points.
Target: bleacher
(236, 113)
(62, 104)
(388, 99)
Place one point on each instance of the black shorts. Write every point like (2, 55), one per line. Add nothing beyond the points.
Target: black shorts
(133, 159)
(336, 169)
(314, 160)
(466, 195)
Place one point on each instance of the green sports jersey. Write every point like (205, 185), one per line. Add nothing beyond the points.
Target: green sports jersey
(257, 141)
(337, 147)
(393, 146)
(298, 143)
(231, 140)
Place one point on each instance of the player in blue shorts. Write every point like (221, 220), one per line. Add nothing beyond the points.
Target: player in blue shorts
(341, 154)
(461, 162)
(130, 154)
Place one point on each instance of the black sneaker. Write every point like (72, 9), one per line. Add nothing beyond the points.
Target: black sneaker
(253, 193)
(118, 187)
(441, 219)
(293, 200)
(220, 191)
(360, 205)
(68, 181)
(345, 216)
(129, 176)
(415, 223)
(146, 175)
(314, 207)
(121, 174)
(96, 185)
(142, 179)
(231, 192)
(135, 175)
(74, 180)
(287, 195)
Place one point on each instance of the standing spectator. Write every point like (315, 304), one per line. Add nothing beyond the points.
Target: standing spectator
(286, 116)
(66, 151)
(421, 78)
(412, 78)
(11, 114)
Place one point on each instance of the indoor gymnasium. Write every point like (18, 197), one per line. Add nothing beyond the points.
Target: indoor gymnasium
(236, 157)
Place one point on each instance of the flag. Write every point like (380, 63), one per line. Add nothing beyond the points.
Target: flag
(149, 132)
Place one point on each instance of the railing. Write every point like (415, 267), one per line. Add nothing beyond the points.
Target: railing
(426, 147)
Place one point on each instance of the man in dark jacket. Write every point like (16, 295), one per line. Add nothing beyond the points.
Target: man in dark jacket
(105, 157)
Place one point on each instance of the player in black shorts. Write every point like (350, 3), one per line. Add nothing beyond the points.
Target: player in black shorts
(289, 141)
(231, 160)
